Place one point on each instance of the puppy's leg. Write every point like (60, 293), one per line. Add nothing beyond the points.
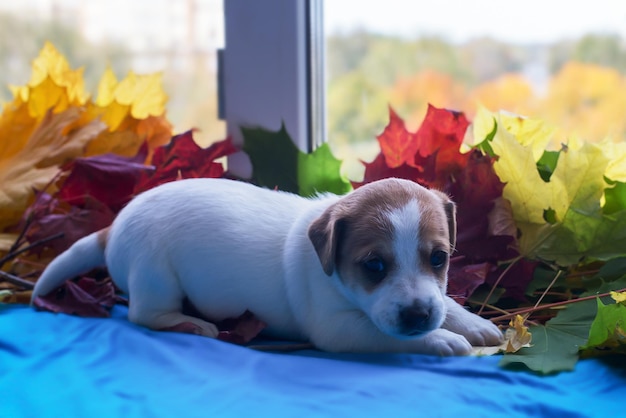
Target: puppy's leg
(477, 330)
(156, 302)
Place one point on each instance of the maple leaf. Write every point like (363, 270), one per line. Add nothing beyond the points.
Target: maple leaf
(378, 169)
(184, 158)
(556, 344)
(134, 111)
(397, 145)
(608, 329)
(278, 163)
(53, 85)
(560, 219)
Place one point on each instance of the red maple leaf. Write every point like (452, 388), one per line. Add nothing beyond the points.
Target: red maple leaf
(378, 169)
(397, 145)
(183, 158)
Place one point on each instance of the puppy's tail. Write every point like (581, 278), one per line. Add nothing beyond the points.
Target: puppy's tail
(85, 254)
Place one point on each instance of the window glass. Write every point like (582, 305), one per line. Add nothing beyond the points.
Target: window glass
(176, 37)
(564, 63)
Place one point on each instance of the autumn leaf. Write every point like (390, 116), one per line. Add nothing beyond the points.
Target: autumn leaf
(516, 337)
(183, 158)
(240, 330)
(50, 217)
(278, 163)
(134, 111)
(560, 219)
(608, 330)
(86, 297)
(109, 179)
(37, 160)
(397, 145)
(52, 121)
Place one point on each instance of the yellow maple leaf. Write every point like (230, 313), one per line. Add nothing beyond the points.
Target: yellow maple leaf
(516, 166)
(539, 207)
(143, 93)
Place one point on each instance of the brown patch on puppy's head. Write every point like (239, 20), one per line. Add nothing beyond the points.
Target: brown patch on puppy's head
(357, 229)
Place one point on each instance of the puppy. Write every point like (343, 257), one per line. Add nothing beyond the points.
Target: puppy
(366, 272)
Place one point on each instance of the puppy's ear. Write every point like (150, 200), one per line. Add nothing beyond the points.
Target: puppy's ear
(324, 234)
(450, 208)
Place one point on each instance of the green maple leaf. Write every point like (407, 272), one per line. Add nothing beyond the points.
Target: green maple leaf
(555, 345)
(608, 329)
(278, 163)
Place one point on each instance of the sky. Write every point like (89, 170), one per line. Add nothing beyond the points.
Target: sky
(521, 21)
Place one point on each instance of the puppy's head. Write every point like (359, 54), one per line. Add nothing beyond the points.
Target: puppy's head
(388, 244)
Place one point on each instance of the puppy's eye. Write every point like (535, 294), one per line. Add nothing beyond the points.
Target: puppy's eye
(438, 259)
(375, 268)
(375, 265)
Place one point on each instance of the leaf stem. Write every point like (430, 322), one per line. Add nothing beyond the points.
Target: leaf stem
(37, 243)
(25, 284)
(556, 276)
(552, 305)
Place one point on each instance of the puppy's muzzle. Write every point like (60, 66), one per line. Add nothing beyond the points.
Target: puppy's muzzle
(415, 320)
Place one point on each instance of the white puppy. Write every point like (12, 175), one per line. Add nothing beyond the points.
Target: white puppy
(366, 272)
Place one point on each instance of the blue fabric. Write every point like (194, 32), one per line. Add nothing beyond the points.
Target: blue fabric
(62, 366)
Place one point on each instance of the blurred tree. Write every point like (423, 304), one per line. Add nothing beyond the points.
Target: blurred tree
(607, 50)
(344, 53)
(511, 92)
(410, 96)
(21, 40)
(587, 100)
(488, 59)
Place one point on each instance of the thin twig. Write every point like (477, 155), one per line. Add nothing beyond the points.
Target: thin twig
(558, 274)
(493, 288)
(17, 280)
(37, 243)
(553, 305)
(18, 241)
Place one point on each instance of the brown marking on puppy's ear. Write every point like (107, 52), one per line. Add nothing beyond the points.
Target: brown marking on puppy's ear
(103, 237)
(323, 233)
(450, 209)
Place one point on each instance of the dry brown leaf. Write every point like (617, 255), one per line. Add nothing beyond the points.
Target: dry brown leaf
(515, 337)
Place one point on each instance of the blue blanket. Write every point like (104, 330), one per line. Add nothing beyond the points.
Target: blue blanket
(54, 365)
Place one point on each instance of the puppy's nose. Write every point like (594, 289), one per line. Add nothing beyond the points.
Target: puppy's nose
(414, 319)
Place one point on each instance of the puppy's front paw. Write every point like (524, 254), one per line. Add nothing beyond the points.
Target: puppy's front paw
(446, 343)
(482, 332)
